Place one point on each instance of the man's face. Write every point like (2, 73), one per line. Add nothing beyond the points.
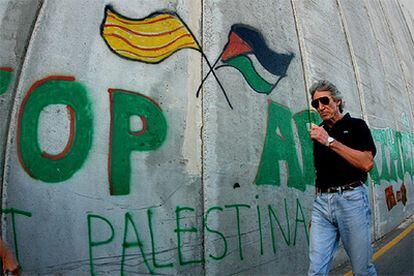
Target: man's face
(328, 110)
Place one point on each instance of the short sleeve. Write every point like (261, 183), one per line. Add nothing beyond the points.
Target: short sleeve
(365, 140)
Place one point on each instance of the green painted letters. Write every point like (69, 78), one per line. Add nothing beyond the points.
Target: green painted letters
(38, 164)
(125, 104)
(395, 152)
(237, 206)
(279, 146)
(154, 257)
(216, 232)
(407, 152)
(302, 220)
(93, 243)
(137, 243)
(180, 230)
(13, 213)
(5, 79)
(306, 145)
(259, 221)
(286, 236)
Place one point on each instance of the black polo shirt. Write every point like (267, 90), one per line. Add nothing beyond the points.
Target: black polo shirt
(331, 169)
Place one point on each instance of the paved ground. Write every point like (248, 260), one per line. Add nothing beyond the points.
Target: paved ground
(397, 256)
(399, 260)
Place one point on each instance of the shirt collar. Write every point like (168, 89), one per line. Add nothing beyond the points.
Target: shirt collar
(345, 118)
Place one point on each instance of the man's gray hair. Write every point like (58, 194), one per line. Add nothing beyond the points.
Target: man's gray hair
(324, 85)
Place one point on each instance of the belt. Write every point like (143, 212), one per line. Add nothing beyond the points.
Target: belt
(343, 188)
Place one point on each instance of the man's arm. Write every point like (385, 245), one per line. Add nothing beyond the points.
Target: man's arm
(363, 160)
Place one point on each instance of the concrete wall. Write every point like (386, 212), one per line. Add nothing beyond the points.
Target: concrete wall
(112, 164)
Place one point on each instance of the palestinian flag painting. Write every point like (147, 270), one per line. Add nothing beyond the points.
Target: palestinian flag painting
(246, 50)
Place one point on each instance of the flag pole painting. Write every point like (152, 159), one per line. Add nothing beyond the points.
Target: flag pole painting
(151, 39)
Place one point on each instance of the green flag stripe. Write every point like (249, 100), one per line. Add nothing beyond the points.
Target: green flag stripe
(255, 81)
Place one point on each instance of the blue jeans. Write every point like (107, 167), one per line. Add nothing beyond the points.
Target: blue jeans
(345, 215)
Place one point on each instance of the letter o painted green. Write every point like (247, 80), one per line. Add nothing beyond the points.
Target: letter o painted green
(48, 91)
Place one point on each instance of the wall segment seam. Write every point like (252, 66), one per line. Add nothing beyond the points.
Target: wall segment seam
(399, 56)
(376, 209)
(398, 52)
(361, 95)
(11, 116)
(202, 190)
(405, 20)
(381, 59)
(381, 55)
(355, 66)
(302, 52)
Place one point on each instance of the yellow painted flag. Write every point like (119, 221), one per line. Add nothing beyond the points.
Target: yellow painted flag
(151, 39)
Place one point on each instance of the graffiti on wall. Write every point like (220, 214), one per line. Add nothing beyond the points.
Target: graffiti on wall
(281, 148)
(5, 78)
(151, 39)
(244, 44)
(270, 216)
(53, 168)
(392, 199)
(161, 34)
(15, 212)
(393, 161)
(280, 145)
(274, 217)
(123, 140)
(395, 155)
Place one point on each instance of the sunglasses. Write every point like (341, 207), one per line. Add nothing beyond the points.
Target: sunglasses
(323, 100)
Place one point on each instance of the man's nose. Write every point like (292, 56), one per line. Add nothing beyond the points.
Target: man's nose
(320, 105)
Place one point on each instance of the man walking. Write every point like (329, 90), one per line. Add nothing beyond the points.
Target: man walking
(344, 151)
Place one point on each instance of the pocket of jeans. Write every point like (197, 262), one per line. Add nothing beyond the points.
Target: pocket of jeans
(353, 195)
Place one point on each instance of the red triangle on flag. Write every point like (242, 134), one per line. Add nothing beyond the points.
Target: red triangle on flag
(236, 46)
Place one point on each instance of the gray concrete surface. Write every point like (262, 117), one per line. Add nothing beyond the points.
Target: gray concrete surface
(397, 259)
(132, 173)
